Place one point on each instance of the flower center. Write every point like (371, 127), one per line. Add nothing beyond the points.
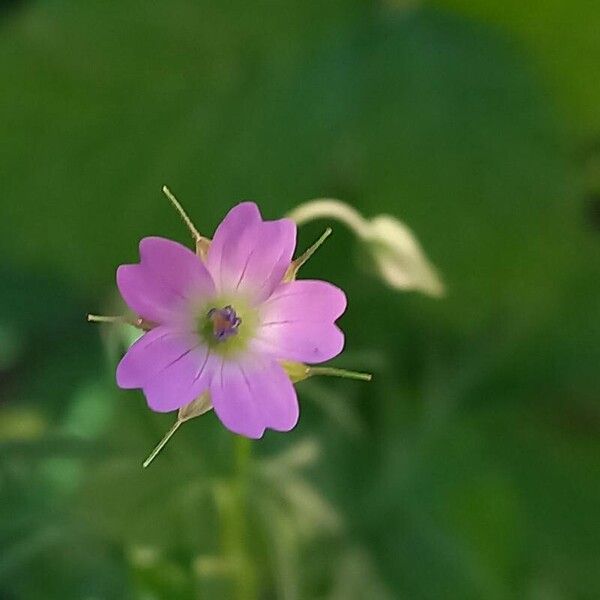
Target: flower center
(226, 330)
(225, 322)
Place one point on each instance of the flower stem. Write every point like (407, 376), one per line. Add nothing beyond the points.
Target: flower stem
(202, 243)
(330, 208)
(246, 585)
(105, 319)
(242, 454)
(162, 443)
(188, 222)
(305, 256)
(344, 373)
(139, 323)
(308, 253)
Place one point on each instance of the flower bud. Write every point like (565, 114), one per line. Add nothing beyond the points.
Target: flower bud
(398, 257)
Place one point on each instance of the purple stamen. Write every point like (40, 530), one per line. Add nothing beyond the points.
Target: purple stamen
(225, 322)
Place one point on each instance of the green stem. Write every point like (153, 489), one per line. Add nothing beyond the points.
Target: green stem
(162, 443)
(188, 222)
(106, 319)
(242, 454)
(138, 323)
(305, 256)
(246, 587)
(333, 372)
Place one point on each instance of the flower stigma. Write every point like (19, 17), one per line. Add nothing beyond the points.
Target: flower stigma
(225, 322)
(227, 325)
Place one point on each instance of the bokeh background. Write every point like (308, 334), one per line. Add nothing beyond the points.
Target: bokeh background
(469, 468)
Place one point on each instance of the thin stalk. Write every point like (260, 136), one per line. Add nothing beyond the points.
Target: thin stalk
(344, 373)
(138, 323)
(305, 256)
(106, 319)
(162, 443)
(246, 588)
(188, 222)
(330, 208)
(242, 455)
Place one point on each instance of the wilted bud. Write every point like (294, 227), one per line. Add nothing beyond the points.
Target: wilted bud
(398, 257)
(401, 262)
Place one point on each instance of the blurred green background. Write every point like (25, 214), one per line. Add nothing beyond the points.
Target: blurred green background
(470, 467)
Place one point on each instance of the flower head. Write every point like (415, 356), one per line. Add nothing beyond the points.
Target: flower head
(223, 321)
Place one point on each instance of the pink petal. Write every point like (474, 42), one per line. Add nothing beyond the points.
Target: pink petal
(304, 300)
(297, 322)
(171, 366)
(304, 342)
(150, 354)
(163, 283)
(249, 397)
(249, 255)
(268, 260)
(230, 238)
(181, 382)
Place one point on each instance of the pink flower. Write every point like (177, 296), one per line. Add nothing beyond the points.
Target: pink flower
(225, 324)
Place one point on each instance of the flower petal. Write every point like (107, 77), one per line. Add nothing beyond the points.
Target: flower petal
(181, 381)
(249, 397)
(305, 300)
(307, 342)
(297, 322)
(171, 366)
(268, 260)
(167, 277)
(150, 353)
(250, 255)
(230, 236)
